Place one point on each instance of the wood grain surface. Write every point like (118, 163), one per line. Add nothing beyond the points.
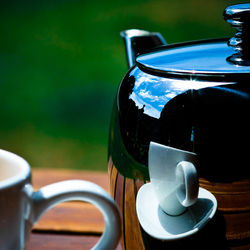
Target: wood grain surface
(48, 241)
(78, 225)
(231, 197)
(70, 216)
(231, 224)
(70, 225)
(42, 177)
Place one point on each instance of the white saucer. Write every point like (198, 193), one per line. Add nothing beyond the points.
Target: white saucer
(162, 226)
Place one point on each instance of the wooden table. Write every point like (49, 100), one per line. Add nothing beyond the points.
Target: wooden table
(71, 225)
(78, 225)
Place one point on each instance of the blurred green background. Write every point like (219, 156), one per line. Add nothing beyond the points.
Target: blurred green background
(61, 62)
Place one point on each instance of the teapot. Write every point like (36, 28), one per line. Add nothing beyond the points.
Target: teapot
(194, 96)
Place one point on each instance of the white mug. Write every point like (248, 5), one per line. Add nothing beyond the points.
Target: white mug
(21, 207)
(174, 177)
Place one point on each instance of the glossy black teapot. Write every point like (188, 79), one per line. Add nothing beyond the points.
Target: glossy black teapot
(193, 96)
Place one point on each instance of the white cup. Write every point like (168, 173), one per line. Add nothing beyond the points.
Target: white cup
(174, 177)
(21, 207)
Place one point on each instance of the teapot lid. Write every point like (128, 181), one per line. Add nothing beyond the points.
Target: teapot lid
(210, 58)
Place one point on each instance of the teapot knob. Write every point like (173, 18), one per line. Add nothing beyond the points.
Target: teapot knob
(239, 17)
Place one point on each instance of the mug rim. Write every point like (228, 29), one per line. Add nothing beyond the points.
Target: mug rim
(23, 169)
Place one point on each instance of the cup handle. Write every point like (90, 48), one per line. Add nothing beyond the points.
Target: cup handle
(59, 192)
(188, 188)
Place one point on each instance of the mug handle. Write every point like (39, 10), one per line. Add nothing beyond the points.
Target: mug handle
(50, 195)
(187, 178)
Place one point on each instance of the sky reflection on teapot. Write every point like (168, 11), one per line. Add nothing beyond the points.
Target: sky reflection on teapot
(151, 93)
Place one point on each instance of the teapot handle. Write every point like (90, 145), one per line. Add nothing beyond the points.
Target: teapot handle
(139, 41)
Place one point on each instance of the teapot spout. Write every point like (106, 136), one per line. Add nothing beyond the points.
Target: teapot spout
(138, 41)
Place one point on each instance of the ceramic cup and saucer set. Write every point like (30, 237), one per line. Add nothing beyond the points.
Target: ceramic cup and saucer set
(21, 207)
(172, 206)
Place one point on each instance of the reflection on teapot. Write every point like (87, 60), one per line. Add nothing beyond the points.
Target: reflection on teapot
(194, 96)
